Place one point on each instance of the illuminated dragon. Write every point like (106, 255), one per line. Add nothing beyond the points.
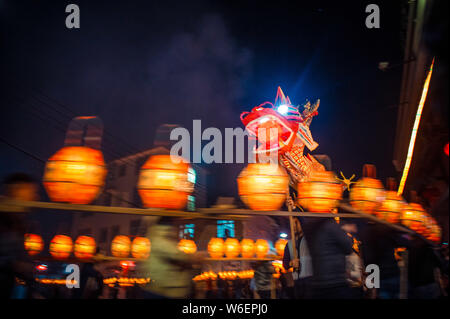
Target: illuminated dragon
(290, 136)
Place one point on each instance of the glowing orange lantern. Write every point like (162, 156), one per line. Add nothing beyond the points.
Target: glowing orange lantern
(232, 247)
(75, 174)
(391, 208)
(33, 244)
(164, 183)
(367, 193)
(413, 217)
(140, 248)
(436, 232)
(320, 193)
(187, 246)
(262, 248)
(263, 186)
(216, 247)
(85, 247)
(247, 248)
(120, 246)
(280, 245)
(61, 246)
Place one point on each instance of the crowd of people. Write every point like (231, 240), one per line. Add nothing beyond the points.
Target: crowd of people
(326, 259)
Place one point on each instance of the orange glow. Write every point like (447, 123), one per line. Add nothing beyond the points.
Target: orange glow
(412, 141)
(280, 245)
(187, 246)
(391, 207)
(120, 246)
(320, 193)
(216, 247)
(140, 248)
(61, 247)
(75, 174)
(262, 248)
(263, 186)
(85, 247)
(33, 244)
(367, 195)
(413, 217)
(247, 248)
(164, 184)
(232, 247)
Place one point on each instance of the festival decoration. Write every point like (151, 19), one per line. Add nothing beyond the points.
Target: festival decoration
(232, 248)
(216, 247)
(120, 246)
(85, 247)
(280, 245)
(187, 246)
(413, 217)
(263, 186)
(368, 193)
(320, 192)
(76, 173)
(282, 129)
(61, 247)
(346, 182)
(262, 248)
(33, 244)
(164, 182)
(247, 248)
(140, 248)
(435, 233)
(392, 205)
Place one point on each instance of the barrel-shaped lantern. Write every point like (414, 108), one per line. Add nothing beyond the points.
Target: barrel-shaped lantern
(280, 245)
(187, 246)
(74, 174)
(140, 248)
(33, 244)
(436, 233)
(263, 186)
(367, 194)
(232, 247)
(413, 217)
(216, 247)
(85, 247)
(320, 193)
(247, 248)
(121, 246)
(261, 248)
(391, 207)
(164, 182)
(61, 247)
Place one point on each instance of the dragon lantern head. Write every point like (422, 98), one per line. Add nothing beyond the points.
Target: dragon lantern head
(279, 126)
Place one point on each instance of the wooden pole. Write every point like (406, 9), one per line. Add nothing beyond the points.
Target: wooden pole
(291, 223)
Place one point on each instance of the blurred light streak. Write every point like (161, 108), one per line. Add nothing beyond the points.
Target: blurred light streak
(412, 141)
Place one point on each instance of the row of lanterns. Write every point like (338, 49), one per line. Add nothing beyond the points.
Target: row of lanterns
(263, 187)
(247, 248)
(225, 275)
(62, 246)
(76, 173)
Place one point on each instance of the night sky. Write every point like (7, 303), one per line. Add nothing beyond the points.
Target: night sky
(140, 64)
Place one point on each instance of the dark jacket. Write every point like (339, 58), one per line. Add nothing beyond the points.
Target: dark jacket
(422, 260)
(379, 243)
(328, 245)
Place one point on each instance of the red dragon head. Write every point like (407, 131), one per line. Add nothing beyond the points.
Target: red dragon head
(279, 126)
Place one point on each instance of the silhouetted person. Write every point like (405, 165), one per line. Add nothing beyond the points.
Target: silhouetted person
(13, 259)
(328, 245)
(422, 263)
(91, 283)
(379, 244)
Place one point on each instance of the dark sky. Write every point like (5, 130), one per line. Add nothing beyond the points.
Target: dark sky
(139, 64)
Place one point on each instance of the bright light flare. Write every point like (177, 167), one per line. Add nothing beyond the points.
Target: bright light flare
(283, 109)
(412, 141)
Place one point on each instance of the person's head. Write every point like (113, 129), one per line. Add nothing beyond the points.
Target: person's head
(21, 186)
(349, 226)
